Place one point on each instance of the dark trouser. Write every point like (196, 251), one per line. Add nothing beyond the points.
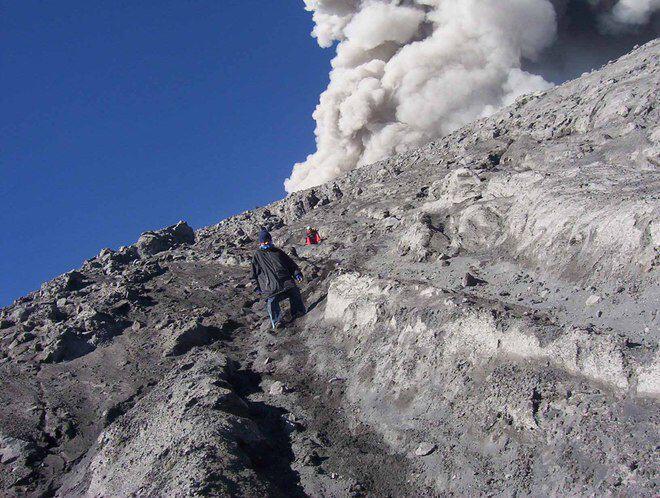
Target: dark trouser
(295, 300)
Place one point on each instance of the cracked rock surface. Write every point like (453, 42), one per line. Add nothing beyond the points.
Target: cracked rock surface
(483, 320)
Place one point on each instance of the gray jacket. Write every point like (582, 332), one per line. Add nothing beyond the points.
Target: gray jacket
(273, 271)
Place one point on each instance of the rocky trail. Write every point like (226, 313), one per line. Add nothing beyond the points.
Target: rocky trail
(308, 433)
(483, 320)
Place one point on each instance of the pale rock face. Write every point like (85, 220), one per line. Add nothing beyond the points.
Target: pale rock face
(482, 315)
(648, 378)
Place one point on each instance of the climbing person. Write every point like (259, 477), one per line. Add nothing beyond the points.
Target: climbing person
(275, 275)
(313, 237)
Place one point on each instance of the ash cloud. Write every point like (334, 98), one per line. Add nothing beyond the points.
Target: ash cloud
(630, 12)
(407, 72)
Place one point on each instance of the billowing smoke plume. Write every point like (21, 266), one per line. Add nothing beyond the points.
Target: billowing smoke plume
(409, 71)
(631, 12)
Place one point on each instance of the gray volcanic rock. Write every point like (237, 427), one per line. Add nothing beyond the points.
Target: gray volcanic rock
(189, 436)
(483, 320)
(151, 243)
(18, 457)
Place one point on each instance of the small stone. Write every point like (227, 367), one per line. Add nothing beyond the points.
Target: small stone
(26, 337)
(122, 307)
(291, 423)
(266, 326)
(277, 388)
(593, 299)
(105, 253)
(425, 448)
(20, 314)
(470, 280)
(164, 323)
(312, 459)
(623, 111)
(74, 280)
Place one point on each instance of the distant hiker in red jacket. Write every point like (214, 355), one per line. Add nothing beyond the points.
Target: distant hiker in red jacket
(313, 237)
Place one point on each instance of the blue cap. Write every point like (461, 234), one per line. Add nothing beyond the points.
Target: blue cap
(264, 236)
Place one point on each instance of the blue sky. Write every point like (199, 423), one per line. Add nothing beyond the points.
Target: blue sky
(122, 116)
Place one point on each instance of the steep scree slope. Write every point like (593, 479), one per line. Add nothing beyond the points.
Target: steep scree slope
(483, 320)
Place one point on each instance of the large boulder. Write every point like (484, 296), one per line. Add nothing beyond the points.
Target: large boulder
(184, 337)
(16, 460)
(154, 242)
(190, 436)
(66, 346)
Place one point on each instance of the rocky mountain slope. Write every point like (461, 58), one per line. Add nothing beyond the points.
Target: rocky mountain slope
(482, 321)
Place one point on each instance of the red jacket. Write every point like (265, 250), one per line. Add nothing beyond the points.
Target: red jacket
(313, 238)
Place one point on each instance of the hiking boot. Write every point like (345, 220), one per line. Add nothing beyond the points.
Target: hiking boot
(279, 326)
